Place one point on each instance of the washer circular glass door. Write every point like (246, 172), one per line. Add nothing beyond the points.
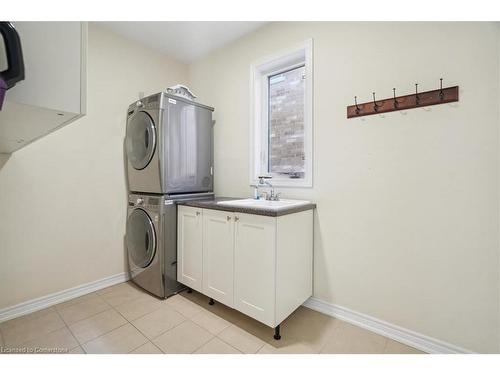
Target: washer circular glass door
(141, 238)
(140, 140)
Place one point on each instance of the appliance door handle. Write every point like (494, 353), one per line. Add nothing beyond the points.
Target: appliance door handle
(147, 241)
(15, 71)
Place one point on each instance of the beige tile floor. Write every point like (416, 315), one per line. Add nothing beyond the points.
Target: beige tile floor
(125, 319)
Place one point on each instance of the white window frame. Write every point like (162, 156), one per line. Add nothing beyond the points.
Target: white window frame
(299, 55)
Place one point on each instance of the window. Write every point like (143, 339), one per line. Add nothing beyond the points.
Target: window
(281, 124)
(286, 123)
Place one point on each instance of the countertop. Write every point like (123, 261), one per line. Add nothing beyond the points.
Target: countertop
(211, 204)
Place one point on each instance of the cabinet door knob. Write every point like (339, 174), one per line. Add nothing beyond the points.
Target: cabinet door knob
(228, 218)
(236, 218)
(197, 213)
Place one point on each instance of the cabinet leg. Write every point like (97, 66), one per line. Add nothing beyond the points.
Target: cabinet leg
(211, 301)
(277, 335)
(190, 290)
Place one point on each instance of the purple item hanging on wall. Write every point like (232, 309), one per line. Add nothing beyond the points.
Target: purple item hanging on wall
(3, 88)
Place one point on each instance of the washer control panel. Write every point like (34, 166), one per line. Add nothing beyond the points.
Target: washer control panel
(148, 202)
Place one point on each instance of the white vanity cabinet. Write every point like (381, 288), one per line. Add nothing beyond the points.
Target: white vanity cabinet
(259, 265)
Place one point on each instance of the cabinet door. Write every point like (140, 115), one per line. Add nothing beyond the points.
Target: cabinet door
(53, 93)
(54, 62)
(254, 266)
(189, 247)
(218, 255)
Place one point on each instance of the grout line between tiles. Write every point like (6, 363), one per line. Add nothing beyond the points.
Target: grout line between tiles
(153, 338)
(87, 317)
(202, 327)
(129, 321)
(210, 333)
(73, 299)
(220, 338)
(385, 345)
(115, 308)
(334, 329)
(217, 337)
(105, 333)
(203, 344)
(214, 336)
(45, 333)
(156, 346)
(138, 346)
(82, 343)
(67, 327)
(50, 308)
(114, 329)
(132, 300)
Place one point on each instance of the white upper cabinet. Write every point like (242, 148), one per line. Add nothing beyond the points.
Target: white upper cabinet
(53, 92)
(218, 257)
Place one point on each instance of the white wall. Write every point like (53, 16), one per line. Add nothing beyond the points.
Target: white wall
(3, 159)
(406, 228)
(63, 198)
(498, 57)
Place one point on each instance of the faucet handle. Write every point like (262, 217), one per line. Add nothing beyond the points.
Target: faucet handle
(262, 178)
(277, 197)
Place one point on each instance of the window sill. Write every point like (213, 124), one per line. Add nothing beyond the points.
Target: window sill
(289, 183)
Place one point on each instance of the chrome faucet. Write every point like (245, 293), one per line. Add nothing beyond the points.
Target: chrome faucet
(263, 181)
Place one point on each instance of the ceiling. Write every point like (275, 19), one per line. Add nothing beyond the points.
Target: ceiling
(185, 41)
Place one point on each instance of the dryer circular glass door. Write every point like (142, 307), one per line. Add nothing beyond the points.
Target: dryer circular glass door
(141, 238)
(140, 140)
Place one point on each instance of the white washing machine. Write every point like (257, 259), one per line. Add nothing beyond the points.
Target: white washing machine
(169, 146)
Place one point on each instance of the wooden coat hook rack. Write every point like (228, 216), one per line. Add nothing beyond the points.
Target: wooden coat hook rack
(398, 103)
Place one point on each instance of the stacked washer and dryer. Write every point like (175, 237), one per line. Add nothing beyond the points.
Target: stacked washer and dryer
(169, 149)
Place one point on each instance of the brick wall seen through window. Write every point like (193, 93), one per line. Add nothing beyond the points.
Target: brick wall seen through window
(286, 123)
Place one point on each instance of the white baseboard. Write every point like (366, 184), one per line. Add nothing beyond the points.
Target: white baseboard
(403, 335)
(58, 297)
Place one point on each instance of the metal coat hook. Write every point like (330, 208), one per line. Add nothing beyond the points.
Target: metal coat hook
(396, 103)
(375, 105)
(440, 95)
(356, 104)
